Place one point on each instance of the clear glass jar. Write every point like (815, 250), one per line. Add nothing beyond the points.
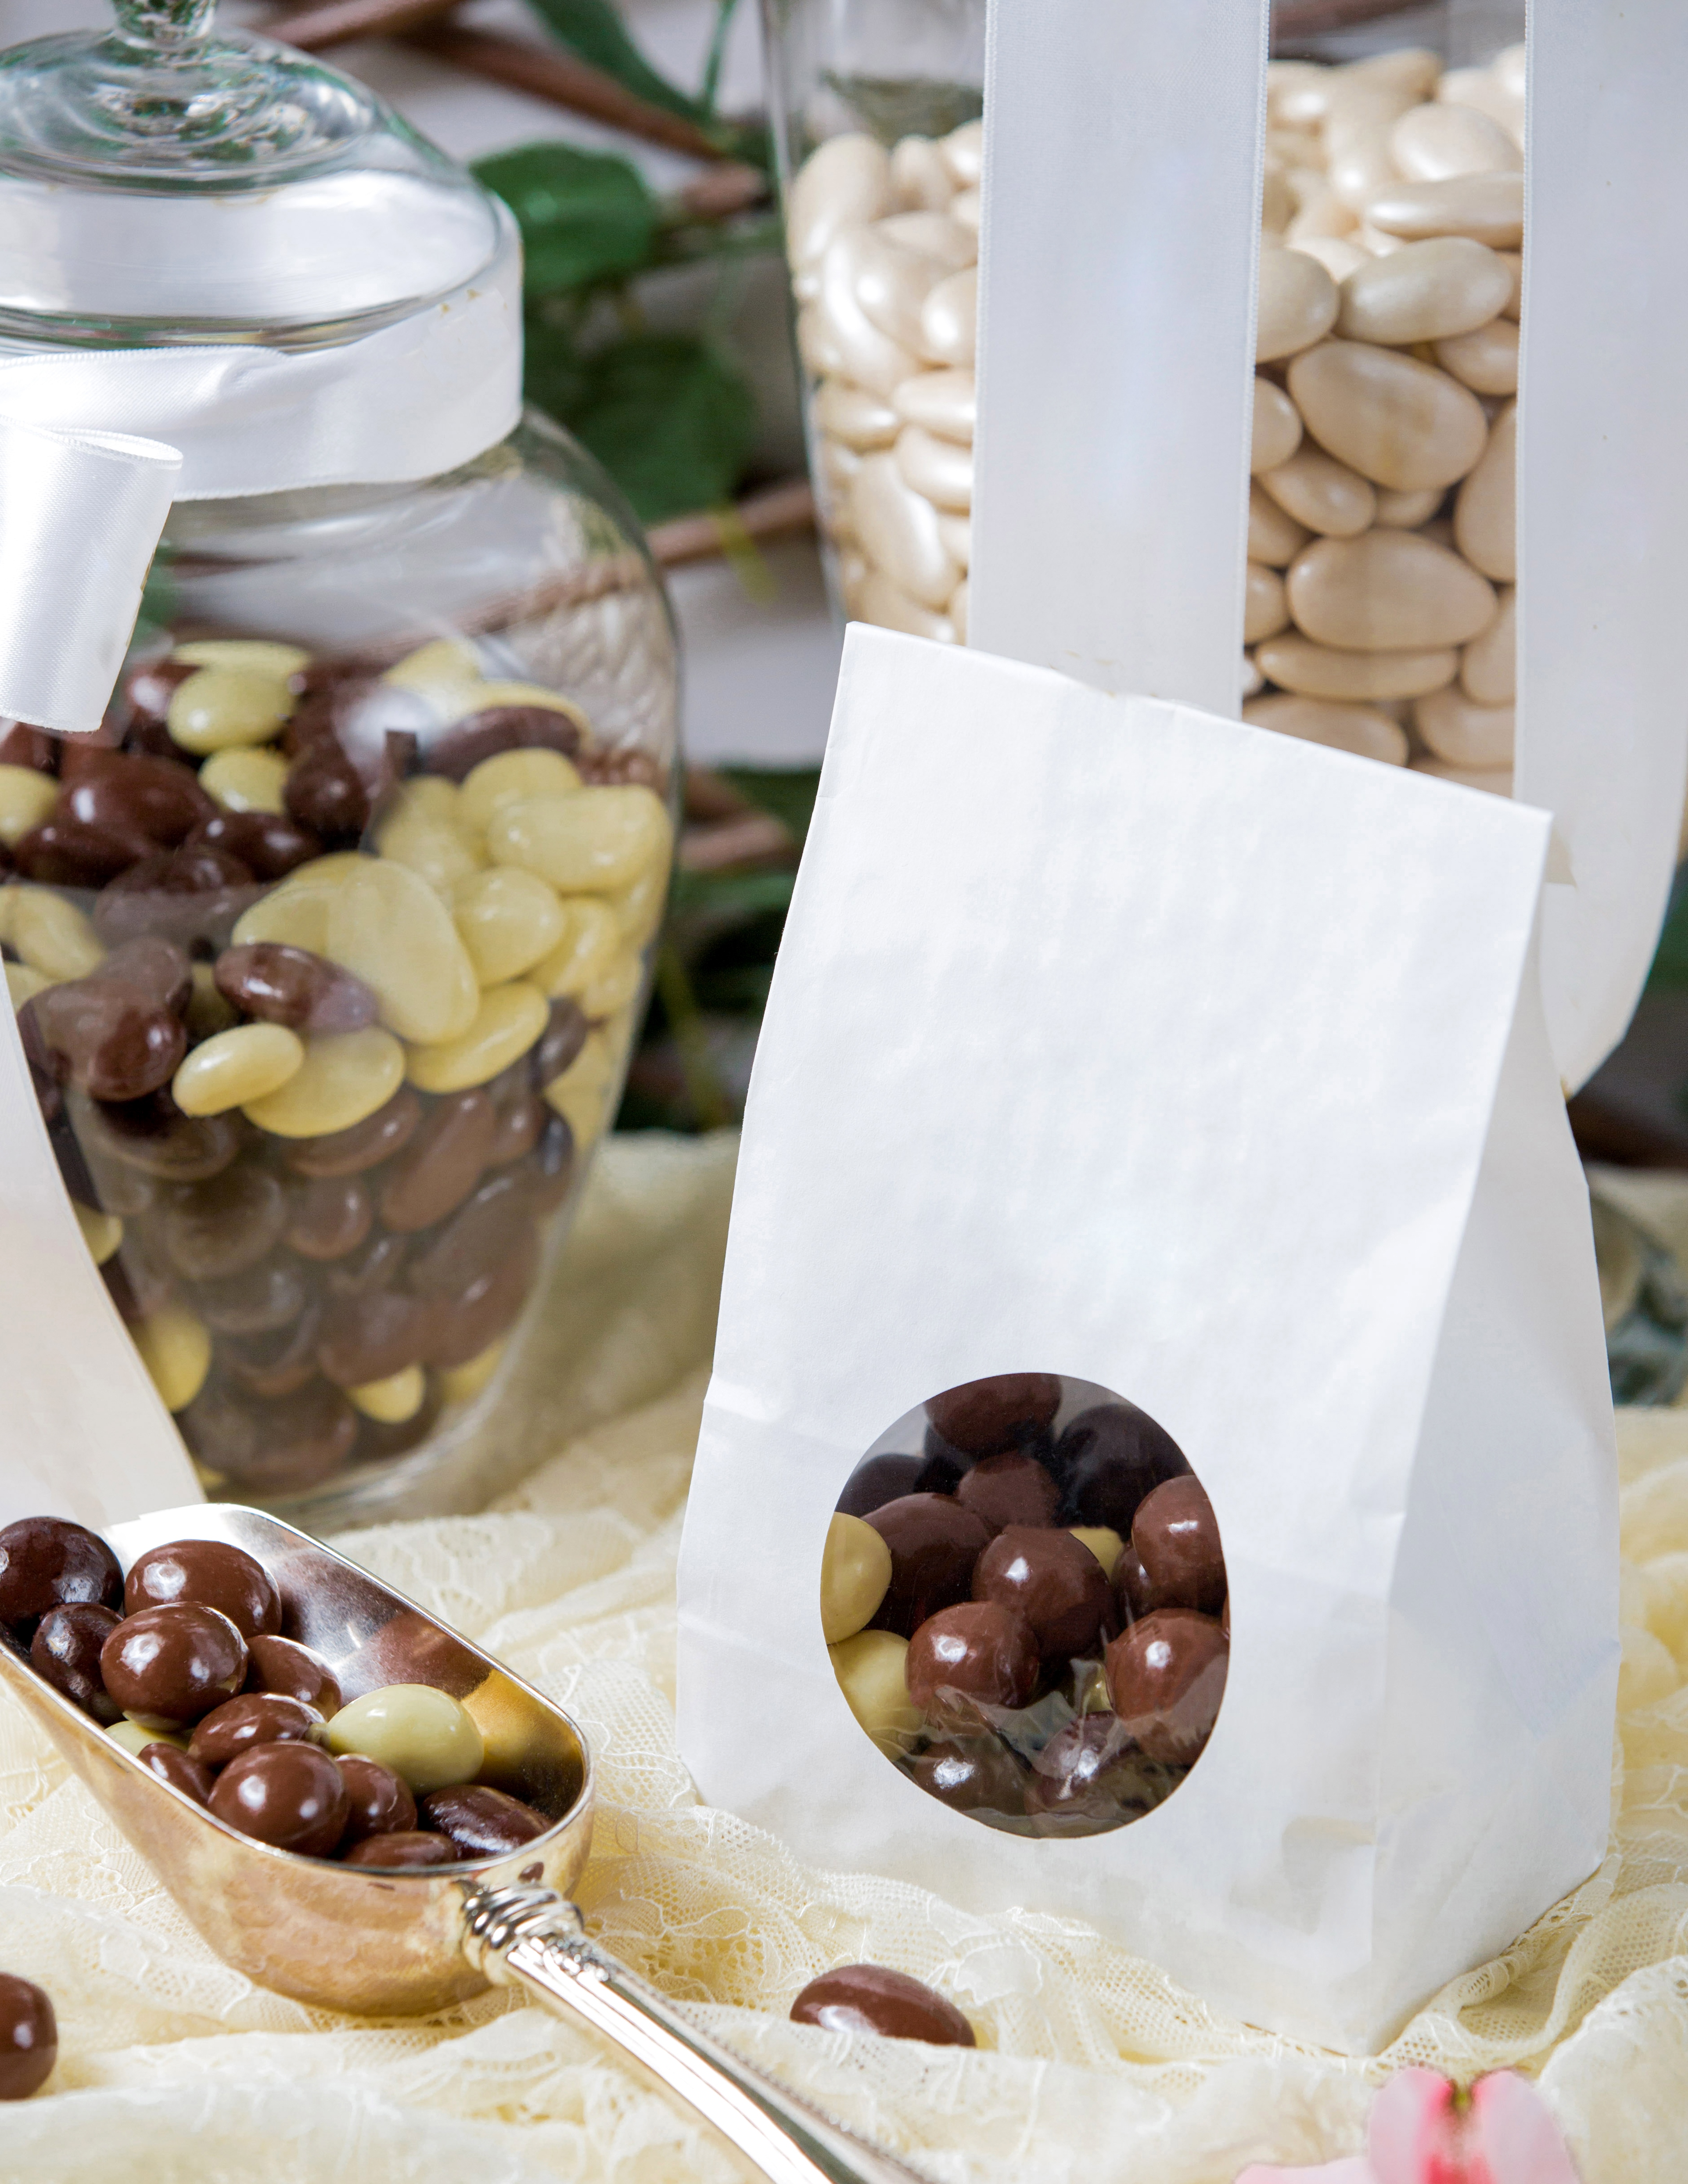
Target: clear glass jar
(876, 110)
(329, 948)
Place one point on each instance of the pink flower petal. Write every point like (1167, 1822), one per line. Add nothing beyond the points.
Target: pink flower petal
(1414, 2134)
(1514, 2138)
(1355, 2170)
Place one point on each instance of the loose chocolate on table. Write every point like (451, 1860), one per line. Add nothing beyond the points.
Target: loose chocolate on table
(193, 1777)
(45, 1562)
(1166, 1680)
(934, 1544)
(170, 1666)
(65, 1651)
(254, 1717)
(29, 2037)
(290, 1796)
(398, 1852)
(213, 1572)
(1008, 1490)
(480, 1821)
(870, 1998)
(989, 1417)
(978, 1654)
(281, 1664)
(1053, 1581)
(377, 1803)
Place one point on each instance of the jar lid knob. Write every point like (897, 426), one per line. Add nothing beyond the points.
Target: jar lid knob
(168, 26)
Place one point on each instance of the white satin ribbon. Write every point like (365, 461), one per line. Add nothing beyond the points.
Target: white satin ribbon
(95, 446)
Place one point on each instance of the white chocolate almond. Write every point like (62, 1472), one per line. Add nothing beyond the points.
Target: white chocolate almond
(1320, 671)
(1489, 666)
(942, 402)
(843, 183)
(920, 180)
(1424, 292)
(1401, 423)
(858, 266)
(1485, 514)
(1405, 511)
(1388, 591)
(949, 319)
(860, 420)
(899, 530)
(937, 469)
(1274, 538)
(1436, 142)
(1487, 208)
(1463, 732)
(1277, 427)
(948, 242)
(1361, 729)
(1496, 780)
(1298, 304)
(1323, 493)
(1486, 359)
(1265, 611)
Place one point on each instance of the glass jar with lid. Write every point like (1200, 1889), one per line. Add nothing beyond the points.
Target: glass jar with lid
(328, 942)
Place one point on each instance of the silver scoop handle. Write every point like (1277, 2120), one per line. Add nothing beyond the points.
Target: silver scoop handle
(534, 1937)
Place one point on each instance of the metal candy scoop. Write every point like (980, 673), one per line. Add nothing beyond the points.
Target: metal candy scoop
(399, 1943)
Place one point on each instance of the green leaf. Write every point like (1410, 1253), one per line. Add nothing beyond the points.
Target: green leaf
(584, 216)
(670, 418)
(595, 31)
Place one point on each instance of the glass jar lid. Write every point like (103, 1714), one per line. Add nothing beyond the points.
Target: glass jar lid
(165, 183)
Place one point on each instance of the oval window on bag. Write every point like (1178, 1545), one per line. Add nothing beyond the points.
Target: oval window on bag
(1023, 1593)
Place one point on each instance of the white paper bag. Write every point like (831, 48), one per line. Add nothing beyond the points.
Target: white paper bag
(1116, 363)
(1113, 1040)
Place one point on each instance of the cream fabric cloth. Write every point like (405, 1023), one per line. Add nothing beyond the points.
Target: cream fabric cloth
(1094, 2069)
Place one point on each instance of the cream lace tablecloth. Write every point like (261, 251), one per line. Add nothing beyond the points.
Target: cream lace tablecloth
(1093, 2067)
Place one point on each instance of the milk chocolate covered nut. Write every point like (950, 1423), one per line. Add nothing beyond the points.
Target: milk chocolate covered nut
(364, 1144)
(442, 1164)
(327, 1216)
(377, 1804)
(485, 1308)
(29, 2037)
(1055, 1583)
(1089, 1776)
(467, 742)
(282, 1665)
(290, 986)
(214, 1230)
(279, 1447)
(278, 1363)
(559, 1044)
(986, 1417)
(287, 1795)
(48, 1561)
(212, 1574)
(934, 1544)
(153, 1135)
(105, 1039)
(980, 1653)
(870, 1998)
(269, 843)
(1008, 1490)
(972, 1774)
(877, 1480)
(254, 1718)
(1107, 1459)
(398, 1851)
(1175, 1535)
(1166, 1678)
(157, 798)
(70, 853)
(193, 1777)
(65, 1653)
(482, 1822)
(258, 1301)
(168, 1666)
(157, 969)
(373, 1336)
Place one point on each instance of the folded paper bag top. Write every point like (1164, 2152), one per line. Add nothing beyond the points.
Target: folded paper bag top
(1114, 1040)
